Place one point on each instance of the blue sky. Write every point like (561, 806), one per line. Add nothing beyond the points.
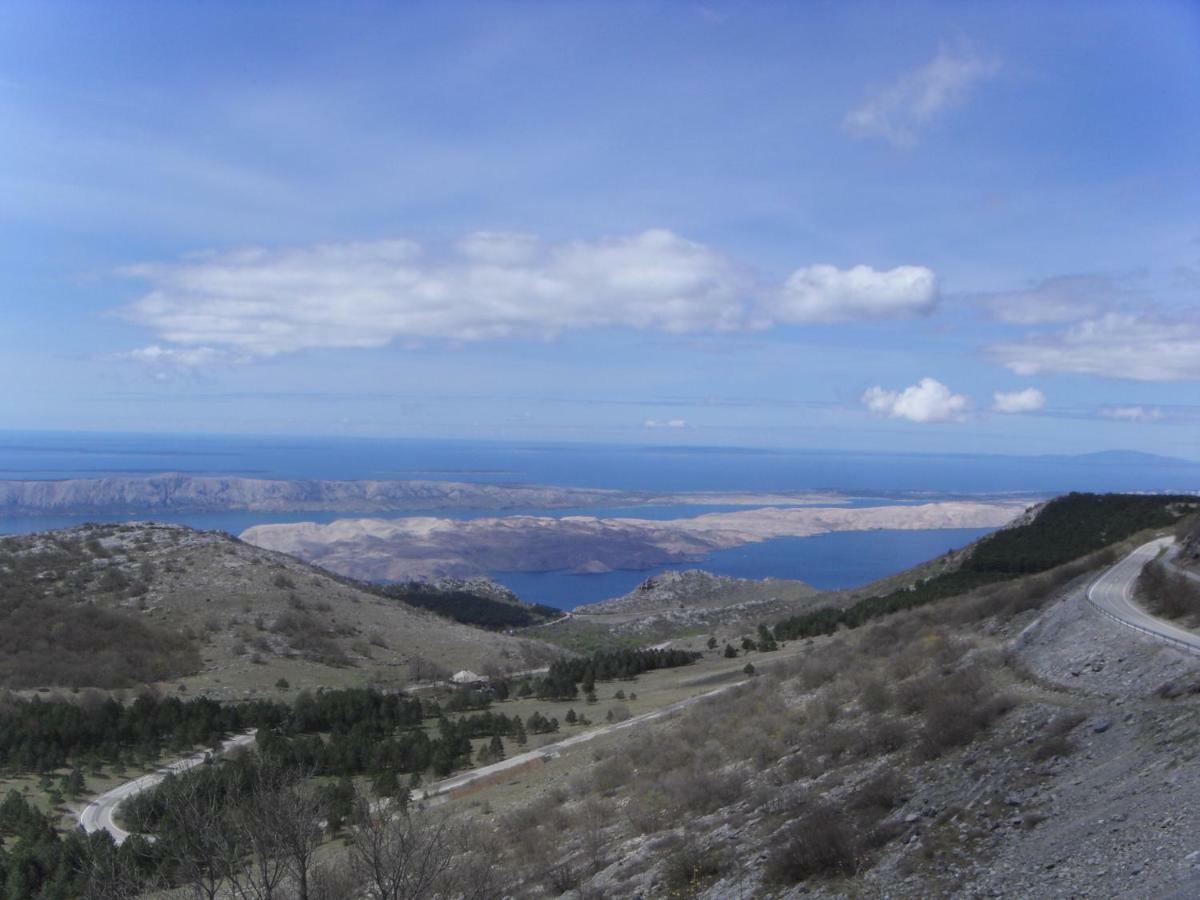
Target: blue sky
(945, 226)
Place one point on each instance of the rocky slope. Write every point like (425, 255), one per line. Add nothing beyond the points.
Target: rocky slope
(944, 752)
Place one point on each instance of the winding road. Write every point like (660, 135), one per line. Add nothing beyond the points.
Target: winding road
(98, 815)
(1112, 594)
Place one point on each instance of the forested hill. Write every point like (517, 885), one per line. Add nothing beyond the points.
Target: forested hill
(471, 605)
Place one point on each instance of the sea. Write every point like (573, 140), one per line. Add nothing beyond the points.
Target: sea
(829, 561)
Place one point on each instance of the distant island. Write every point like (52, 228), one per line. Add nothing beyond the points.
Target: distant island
(428, 547)
(177, 493)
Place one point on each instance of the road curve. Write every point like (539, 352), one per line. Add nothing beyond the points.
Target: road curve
(98, 815)
(1112, 594)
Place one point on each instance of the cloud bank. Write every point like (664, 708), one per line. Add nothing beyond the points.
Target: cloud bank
(491, 285)
(1028, 400)
(898, 112)
(926, 401)
(1132, 413)
(1135, 346)
(1063, 298)
(824, 293)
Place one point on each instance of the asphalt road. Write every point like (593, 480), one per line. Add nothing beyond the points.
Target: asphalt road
(98, 815)
(1112, 594)
(550, 750)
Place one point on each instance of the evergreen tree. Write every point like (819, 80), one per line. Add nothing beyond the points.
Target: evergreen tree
(386, 784)
(766, 640)
(73, 784)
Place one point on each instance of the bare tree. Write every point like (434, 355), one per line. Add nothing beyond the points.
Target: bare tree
(333, 880)
(109, 870)
(262, 867)
(199, 844)
(422, 669)
(477, 870)
(398, 855)
(294, 811)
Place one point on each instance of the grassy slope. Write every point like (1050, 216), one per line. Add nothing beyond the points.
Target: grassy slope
(229, 618)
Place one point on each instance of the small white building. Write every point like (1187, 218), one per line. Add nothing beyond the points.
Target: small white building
(468, 677)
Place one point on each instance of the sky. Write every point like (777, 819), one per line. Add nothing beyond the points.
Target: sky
(966, 227)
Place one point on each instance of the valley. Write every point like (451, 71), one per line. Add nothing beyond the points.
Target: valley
(950, 716)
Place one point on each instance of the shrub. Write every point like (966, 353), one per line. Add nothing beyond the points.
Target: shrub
(1167, 593)
(688, 866)
(875, 696)
(821, 842)
(957, 708)
(879, 795)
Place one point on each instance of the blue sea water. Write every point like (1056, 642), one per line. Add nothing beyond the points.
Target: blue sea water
(624, 467)
(828, 561)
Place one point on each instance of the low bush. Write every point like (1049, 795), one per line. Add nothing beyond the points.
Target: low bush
(821, 842)
(1168, 594)
(689, 866)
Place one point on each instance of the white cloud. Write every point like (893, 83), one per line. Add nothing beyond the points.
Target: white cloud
(1117, 345)
(899, 111)
(926, 401)
(260, 302)
(1064, 298)
(667, 423)
(1028, 400)
(266, 302)
(1132, 413)
(823, 293)
(186, 357)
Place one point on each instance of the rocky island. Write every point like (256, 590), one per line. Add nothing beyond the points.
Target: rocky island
(430, 547)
